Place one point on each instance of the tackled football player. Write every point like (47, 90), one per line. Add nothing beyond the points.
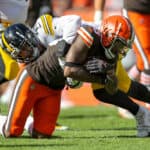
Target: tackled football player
(111, 85)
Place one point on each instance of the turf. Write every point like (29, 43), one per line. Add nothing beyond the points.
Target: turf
(90, 128)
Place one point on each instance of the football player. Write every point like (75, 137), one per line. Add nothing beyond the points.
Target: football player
(111, 84)
(10, 12)
(28, 49)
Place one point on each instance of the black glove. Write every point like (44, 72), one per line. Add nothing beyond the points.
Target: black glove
(111, 84)
(95, 66)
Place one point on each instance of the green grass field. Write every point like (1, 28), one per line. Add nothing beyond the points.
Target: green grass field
(91, 128)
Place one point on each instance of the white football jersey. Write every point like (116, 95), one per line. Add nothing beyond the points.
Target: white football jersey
(14, 10)
(64, 27)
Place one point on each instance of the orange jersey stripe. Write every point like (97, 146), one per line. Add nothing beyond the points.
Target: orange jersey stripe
(86, 36)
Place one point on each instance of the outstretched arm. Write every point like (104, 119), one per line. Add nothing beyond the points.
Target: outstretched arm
(75, 60)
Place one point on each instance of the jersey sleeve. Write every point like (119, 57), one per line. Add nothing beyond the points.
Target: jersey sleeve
(86, 36)
(66, 27)
(44, 30)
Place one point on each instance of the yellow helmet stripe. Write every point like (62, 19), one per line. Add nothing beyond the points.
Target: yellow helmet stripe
(6, 44)
(47, 24)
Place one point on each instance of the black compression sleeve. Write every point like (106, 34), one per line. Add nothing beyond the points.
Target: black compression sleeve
(119, 99)
(139, 91)
(72, 64)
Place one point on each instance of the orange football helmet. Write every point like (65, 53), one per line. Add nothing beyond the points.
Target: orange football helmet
(116, 28)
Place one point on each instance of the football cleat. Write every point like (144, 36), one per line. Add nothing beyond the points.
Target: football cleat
(143, 122)
(125, 113)
(61, 127)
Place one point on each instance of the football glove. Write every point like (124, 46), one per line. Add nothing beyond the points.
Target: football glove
(95, 66)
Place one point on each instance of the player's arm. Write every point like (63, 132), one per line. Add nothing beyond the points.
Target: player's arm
(76, 58)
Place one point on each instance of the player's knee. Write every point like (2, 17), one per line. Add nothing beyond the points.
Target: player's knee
(12, 132)
(36, 134)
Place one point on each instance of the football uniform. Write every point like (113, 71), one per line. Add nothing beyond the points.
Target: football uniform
(47, 70)
(87, 41)
(45, 75)
(126, 87)
(30, 95)
(97, 50)
(64, 27)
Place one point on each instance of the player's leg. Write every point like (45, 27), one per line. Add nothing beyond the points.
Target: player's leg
(45, 113)
(2, 122)
(21, 104)
(127, 88)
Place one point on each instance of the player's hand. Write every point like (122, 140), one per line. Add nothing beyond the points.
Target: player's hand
(95, 65)
(111, 84)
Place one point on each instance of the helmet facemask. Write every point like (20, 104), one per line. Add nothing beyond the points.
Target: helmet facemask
(117, 48)
(27, 53)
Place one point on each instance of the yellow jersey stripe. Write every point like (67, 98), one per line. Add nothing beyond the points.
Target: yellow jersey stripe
(6, 44)
(47, 24)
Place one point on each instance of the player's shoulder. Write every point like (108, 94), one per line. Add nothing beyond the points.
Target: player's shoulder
(86, 34)
(70, 17)
(67, 20)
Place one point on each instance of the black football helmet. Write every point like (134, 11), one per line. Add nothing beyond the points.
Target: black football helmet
(21, 43)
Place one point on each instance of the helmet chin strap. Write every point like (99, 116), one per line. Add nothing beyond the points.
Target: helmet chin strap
(109, 54)
(36, 53)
